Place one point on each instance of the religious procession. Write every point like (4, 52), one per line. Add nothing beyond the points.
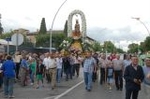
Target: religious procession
(127, 71)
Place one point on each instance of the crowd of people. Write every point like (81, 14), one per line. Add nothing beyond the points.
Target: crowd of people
(33, 68)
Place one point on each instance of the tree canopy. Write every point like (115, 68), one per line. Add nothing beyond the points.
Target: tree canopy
(43, 29)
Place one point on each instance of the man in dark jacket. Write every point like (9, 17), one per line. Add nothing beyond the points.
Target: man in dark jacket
(133, 77)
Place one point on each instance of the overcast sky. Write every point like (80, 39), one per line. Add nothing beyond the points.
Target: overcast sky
(106, 19)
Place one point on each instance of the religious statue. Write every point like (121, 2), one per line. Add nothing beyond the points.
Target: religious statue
(76, 33)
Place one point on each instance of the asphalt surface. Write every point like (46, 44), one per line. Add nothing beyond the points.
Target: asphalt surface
(30, 91)
(71, 89)
(98, 92)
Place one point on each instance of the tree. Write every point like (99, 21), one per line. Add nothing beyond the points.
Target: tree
(5, 35)
(109, 47)
(142, 47)
(42, 40)
(133, 48)
(97, 47)
(43, 29)
(147, 43)
(119, 50)
(1, 29)
(66, 28)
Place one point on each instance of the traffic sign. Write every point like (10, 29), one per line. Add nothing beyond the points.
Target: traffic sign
(17, 39)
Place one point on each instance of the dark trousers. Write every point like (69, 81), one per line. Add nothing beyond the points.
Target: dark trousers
(48, 77)
(133, 93)
(94, 77)
(17, 70)
(102, 75)
(118, 79)
(68, 72)
(1, 80)
(76, 68)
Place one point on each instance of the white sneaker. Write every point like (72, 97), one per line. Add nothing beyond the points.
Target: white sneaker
(11, 96)
(110, 88)
(31, 84)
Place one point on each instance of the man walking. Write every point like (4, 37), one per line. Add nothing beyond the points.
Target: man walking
(133, 76)
(103, 65)
(146, 81)
(89, 66)
(118, 70)
(8, 69)
(53, 70)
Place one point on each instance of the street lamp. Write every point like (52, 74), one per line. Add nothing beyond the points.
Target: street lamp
(51, 30)
(138, 19)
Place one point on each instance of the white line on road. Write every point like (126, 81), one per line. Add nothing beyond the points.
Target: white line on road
(67, 91)
(50, 97)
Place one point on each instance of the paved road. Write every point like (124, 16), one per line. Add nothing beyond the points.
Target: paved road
(30, 92)
(98, 92)
(72, 89)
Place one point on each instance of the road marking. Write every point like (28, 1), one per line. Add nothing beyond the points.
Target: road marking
(67, 91)
(50, 97)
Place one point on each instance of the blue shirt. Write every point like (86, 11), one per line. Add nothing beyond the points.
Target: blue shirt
(8, 68)
(89, 64)
(24, 63)
(126, 63)
(146, 70)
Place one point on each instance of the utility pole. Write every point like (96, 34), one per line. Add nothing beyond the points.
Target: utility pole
(51, 30)
(138, 19)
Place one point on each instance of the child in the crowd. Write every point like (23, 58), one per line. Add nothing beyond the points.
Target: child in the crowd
(110, 74)
(32, 70)
(39, 73)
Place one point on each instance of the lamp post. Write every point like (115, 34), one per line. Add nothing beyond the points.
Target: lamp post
(138, 19)
(51, 30)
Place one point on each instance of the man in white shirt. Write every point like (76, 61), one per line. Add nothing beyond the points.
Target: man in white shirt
(118, 70)
(17, 59)
(53, 70)
(103, 65)
(46, 63)
(59, 67)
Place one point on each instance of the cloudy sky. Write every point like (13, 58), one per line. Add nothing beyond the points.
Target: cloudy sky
(106, 19)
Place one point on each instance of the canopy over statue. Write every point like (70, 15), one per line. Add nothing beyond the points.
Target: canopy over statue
(77, 41)
(79, 27)
(77, 34)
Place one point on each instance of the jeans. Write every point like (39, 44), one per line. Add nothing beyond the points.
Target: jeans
(88, 80)
(32, 77)
(68, 72)
(8, 85)
(59, 72)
